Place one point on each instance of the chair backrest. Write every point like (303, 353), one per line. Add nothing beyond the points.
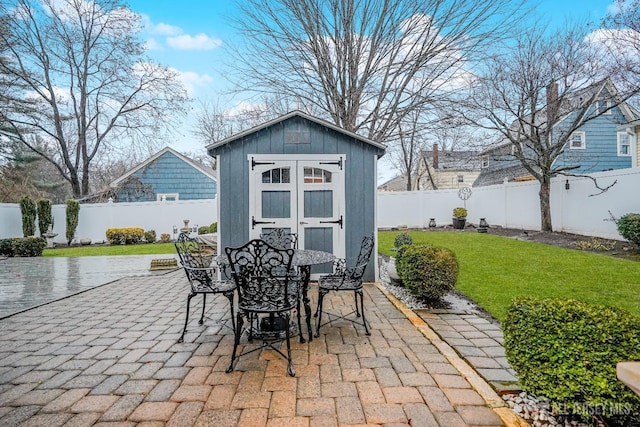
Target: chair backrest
(191, 253)
(357, 271)
(281, 238)
(261, 274)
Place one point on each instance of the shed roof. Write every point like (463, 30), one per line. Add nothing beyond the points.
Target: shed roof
(296, 113)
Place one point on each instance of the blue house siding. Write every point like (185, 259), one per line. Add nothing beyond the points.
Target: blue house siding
(360, 179)
(169, 174)
(601, 146)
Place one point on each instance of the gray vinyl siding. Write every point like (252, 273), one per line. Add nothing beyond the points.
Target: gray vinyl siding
(360, 179)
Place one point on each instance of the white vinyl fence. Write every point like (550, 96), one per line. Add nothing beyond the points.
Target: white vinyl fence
(516, 205)
(95, 219)
(513, 205)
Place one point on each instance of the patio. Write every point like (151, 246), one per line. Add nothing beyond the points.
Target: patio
(109, 355)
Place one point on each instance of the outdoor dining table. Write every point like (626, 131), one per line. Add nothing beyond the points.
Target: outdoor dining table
(303, 259)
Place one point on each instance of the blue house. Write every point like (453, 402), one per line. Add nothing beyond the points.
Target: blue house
(303, 174)
(604, 140)
(165, 176)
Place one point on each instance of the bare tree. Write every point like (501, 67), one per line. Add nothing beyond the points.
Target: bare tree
(81, 64)
(406, 146)
(534, 95)
(365, 65)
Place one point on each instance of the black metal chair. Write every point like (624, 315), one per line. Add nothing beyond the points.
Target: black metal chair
(345, 278)
(203, 278)
(264, 287)
(281, 238)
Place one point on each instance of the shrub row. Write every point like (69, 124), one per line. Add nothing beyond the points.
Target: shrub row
(567, 350)
(125, 236)
(24, 247)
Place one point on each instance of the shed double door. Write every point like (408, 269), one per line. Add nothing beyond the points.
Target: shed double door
(305, 195)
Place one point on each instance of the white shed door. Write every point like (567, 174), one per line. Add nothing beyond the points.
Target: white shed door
(303, 194)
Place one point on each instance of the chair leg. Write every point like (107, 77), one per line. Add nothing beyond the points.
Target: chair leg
(204, 305)
(290, 370)
(321, 294)
(236, 341)
(186, 319)
(364, 319)
(302, 340)
(229, 296)
(355, 298)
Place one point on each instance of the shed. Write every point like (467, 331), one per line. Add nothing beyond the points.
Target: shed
(300, 173)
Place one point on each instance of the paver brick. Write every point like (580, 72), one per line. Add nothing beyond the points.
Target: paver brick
(154, 411)
(94, 403)
(185, 414)
(419, 415)
(163, 390)
(120, 410)
(192, 393)
(19, 415)
(315, 406)
(218, 418)
(283, 404)
(402, 395)
(450, 381)
(349, 410)
(220, 397)
(243, 400)
(370, 392)
(65, 400)
(384, 413)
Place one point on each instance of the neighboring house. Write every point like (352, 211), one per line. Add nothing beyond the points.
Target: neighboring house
(445, 170)
(606, 142)
(165, 176)
(440, 170)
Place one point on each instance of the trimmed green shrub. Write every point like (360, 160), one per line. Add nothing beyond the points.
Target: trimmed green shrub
(45, 219)
(29, 246)
(150, 236)
(73, 210)
(427, 271)
(629, 228)
(213, 228)
(459, 212)
(204, 229)
(125, 236)
(28, 210)
(402, 239)
(6, 247)
(566, 350)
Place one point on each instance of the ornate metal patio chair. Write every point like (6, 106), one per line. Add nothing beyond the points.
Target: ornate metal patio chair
(346, 278)
(203, 277)
(281, 238)
(264, 287)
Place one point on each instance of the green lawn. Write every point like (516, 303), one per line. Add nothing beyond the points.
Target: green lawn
(98, 250)
(494, 270)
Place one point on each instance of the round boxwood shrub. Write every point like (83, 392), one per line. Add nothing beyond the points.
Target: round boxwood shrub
(629, 228)
(567, 350)
(124, 236)
(428, 272)
(150, 236)
(29, 246)
(402, 239)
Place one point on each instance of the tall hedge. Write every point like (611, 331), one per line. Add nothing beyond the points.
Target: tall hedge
(45, 219)
(28, 210)
(567, 350)
(73, 210)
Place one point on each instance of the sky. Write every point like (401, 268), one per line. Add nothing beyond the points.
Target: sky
(189, 37)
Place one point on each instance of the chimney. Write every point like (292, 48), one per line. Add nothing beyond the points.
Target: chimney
(552, 103)
(434, 156)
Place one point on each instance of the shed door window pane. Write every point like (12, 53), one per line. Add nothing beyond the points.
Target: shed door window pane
(276, 176)
(316, 176)
(318, 204)
(276, 204)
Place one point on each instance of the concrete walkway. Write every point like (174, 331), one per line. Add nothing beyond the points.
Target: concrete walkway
(109, 357)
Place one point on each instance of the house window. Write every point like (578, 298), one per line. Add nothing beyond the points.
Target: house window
(167, 197)
(577, 141)
(624, 144)
(603, 107)
(276, 176)
(460, 179)
(484, 162)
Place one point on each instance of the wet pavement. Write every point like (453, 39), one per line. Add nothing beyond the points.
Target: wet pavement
(29, 282)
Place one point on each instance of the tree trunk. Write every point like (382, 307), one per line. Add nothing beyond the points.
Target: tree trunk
(545, 204)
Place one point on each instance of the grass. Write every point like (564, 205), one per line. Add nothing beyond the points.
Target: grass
(103, 250)
(495, 269)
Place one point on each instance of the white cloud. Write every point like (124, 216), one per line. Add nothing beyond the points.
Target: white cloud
(165, 29)
(198, 42)
(192, 80)
(152, 44)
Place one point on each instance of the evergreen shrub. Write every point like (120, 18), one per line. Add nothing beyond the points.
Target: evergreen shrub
(28, 211)
(29, 246)
(629, 228)
(150, 236)
(45, 219)
(567, 350)
(124, 236)
(72, 211)
(204, 229)
(427, 271)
